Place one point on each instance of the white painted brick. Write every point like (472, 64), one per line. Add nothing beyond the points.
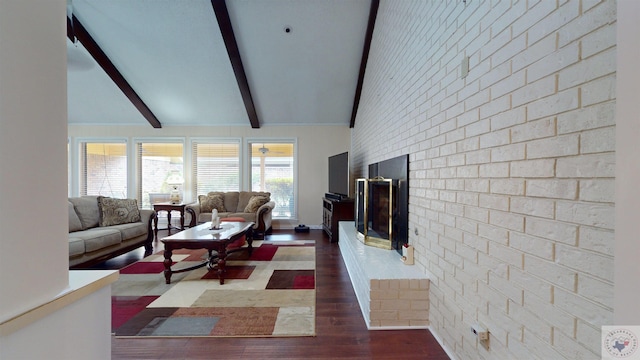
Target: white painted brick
(477, 128)
(515, 46)
(496, 202)
(494, 233)
(542, 168)
(531, 284)
(454, 184)
(553, 62)
(469, 171)
(493, 297)
(494, 138)
(536, 13)
(468, 144)
(552, 188)
(500, 39)
(478, 157)
(533, 130)
(599, 215)
(467, 198)
(586, 262)
(477, 214)
(538, 348)
(539, 303)
(560, 276)
(532, 245)
(601, 15)
(599, 40)
(589, 336)
(587, 118)
(597, 190)
(598, 240)
(599, 91)
(586, 166)
(554, 147)
(531, 321)
(598, 140)
(494, 170)
(413, 94)
(476, 242)
(495, 75)
(552, 230)
(561, 102)
(507, 220)
(508, 153)
(496, 106)
(538, 207)
(554, 21)
(508, 118)
(506, 85)
(596, 289)
(508, 186)
(582, 308)
(534, 91)
(476, 185)
(589, 69)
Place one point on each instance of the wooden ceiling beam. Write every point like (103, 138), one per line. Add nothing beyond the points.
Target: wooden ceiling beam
(224, 22)
(373, 13)
(79, 32)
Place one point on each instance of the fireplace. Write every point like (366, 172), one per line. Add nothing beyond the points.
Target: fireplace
(376, 208)
(382, 203)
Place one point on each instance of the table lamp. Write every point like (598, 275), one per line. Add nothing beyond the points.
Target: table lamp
(175, 180)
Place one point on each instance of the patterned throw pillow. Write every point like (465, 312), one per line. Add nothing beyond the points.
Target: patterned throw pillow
(255, 202)
(211, 201)
(118, 211)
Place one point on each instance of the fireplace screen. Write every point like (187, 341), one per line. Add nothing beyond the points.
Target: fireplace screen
(374, 211)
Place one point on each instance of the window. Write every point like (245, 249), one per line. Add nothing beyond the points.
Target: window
(273, 170)
(103, 169)
(216, 166)
(156, 161)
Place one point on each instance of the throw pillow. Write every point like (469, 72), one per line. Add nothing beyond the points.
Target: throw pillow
(74, 221)
(210, 202)
(255, 202)
(118, 211)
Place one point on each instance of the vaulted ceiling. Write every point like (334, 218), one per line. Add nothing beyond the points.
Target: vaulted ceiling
(214, 62)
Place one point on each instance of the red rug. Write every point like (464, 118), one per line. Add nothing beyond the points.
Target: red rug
(270, 293)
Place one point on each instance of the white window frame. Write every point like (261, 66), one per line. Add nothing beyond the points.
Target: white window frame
(247, 164)
(135, 161)
(75, 171)
(214, 140)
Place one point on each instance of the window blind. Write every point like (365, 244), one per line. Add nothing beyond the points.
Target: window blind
(216, 166)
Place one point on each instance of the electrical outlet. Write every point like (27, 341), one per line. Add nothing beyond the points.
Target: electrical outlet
(481, 333)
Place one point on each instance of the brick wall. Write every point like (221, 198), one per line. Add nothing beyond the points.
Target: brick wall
(511, 166)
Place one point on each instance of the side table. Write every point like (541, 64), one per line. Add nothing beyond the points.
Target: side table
(168, 207)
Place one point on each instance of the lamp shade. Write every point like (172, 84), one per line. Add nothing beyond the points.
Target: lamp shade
(175, 179)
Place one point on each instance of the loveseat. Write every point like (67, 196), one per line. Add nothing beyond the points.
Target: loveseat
(101, 228)
(249, 205)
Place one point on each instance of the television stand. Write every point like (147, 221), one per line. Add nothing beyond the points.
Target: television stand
(334, 211)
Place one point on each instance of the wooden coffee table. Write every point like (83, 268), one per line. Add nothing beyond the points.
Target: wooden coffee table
(202, 237)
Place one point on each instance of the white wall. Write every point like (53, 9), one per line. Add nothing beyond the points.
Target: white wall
(627, 166)
(33, 242)
(511, 167)
(315, 145)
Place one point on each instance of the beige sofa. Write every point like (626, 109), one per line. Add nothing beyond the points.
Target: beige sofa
(101, 228)
(249, 205)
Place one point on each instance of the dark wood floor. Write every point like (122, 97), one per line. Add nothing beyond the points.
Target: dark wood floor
(340, 328)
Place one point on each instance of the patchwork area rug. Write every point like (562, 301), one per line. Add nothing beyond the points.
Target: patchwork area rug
(271, 293)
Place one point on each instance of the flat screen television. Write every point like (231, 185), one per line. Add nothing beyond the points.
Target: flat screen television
(339, 174)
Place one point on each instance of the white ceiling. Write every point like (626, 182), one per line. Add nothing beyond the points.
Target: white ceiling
(173, 55)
